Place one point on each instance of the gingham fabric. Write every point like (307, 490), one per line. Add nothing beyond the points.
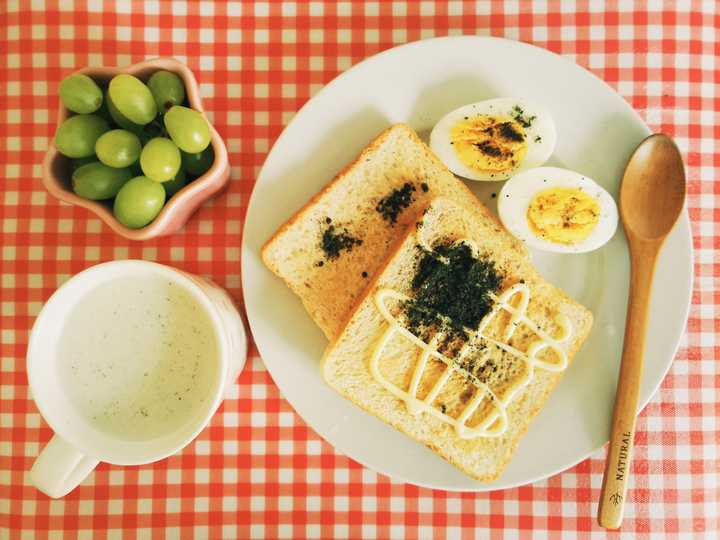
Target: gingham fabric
(258, 470)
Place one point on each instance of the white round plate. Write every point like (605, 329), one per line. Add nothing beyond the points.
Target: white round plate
(418, 83)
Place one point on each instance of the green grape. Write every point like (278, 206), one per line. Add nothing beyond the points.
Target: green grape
(118, 148)
(188, 129)
(80, 94)
(119, 119)
(198, 164)
(160, 159)
(79, 162)
(176, 184)
(167, 89)
(132, 99)
(77, 135)
(97, 182)
(138, 202)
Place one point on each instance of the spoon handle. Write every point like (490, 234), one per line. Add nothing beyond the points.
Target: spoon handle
(617, 466)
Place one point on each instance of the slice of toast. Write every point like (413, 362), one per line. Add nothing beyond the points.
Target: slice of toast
(328, 251)
(349, 359)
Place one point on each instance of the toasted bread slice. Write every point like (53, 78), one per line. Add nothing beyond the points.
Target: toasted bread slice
(347, 360)
(356, 218)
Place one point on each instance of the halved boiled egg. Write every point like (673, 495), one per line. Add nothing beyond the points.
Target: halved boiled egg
(559, 210)
(494, 139)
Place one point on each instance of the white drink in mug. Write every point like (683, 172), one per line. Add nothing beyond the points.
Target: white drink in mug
(127, 362)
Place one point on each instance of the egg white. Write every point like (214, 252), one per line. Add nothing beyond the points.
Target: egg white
(518, 192)
(538, 151)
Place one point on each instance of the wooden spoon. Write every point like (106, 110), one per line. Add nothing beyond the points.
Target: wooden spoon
(652, 196)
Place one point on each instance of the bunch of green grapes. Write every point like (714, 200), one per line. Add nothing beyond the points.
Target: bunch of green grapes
(137, 143)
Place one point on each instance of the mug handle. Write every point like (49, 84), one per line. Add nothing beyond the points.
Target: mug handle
(60, 468)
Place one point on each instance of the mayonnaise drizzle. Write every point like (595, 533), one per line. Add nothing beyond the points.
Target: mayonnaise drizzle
(496, 422)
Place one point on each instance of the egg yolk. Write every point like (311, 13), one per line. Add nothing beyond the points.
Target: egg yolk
(489, 143)
(563, 215)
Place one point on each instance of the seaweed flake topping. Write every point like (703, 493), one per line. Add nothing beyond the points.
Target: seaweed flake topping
(393, 204)
(519, 115)
(336, 240)
(453, 293)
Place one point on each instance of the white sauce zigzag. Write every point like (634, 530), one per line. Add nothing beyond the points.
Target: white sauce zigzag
(496, 422)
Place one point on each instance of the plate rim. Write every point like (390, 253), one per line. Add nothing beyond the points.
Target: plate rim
(246, 251)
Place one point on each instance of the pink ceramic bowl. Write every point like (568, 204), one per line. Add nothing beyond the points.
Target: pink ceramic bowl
(57, 169)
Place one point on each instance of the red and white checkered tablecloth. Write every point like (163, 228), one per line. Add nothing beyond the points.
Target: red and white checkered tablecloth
(259, 470)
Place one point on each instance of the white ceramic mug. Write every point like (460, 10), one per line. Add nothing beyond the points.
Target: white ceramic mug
(80, 441)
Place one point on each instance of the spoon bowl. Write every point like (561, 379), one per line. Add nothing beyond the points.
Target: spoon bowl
(652, 193)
